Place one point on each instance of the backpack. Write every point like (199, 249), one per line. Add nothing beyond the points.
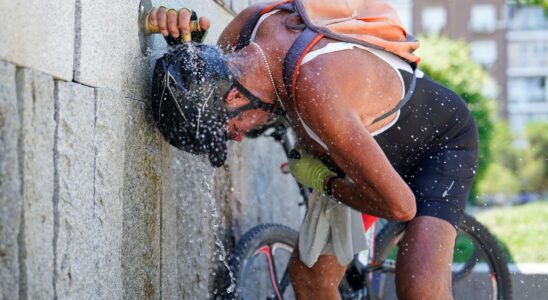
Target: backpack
(370, 23)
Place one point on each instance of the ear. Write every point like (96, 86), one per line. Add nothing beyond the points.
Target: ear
(235, 99)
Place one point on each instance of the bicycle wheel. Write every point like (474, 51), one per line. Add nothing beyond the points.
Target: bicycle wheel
(478, 261)
(259, 264)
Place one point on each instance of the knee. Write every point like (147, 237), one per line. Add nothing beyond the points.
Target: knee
(423, 286)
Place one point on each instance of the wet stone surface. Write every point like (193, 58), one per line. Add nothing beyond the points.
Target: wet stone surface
(10, 196)
(109, 181)
(35, 93)
(141, 205)
(78, 234)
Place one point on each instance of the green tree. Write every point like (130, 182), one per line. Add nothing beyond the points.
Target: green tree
(449, 62)
(502, 149)
(500, 181)
(533, 167)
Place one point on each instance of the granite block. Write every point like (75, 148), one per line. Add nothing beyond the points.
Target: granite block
(191, 218)
(39, 35)
(77, 227)
(36, 104)
(141, 206)
(10, 184)
(109, 182)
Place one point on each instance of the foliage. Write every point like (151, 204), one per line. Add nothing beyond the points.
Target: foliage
(515, 169)
(522, 229)
(449, 62)
(534, 167)
(499, 180)
(502, 150)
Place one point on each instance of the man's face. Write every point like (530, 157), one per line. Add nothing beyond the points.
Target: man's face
(244, 121)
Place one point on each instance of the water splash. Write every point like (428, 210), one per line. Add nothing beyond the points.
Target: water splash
(216, 223)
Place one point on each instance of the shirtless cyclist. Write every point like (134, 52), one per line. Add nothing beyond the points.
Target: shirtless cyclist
(416, 165)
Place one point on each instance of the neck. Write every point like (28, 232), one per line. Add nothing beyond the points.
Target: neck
(250, 70)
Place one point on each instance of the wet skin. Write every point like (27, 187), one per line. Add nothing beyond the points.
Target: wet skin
(338, 97)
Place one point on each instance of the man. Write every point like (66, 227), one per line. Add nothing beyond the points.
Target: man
(415, 163)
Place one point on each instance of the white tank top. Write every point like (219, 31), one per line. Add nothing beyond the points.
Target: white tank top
(396, 62)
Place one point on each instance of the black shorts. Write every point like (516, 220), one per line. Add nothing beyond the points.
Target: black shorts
(434, 147)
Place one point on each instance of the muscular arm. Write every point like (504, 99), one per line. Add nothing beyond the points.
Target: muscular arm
(376, 188)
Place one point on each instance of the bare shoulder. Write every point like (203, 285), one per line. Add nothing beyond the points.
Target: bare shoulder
(354, 80)
(229, 36)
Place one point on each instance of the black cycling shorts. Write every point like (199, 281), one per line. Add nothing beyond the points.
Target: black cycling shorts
(434, 147)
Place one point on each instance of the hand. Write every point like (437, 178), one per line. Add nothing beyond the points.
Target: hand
(309, 170)
(175, 23)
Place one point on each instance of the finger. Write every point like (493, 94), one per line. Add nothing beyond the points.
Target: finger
(172, 23)
(204, 23)
(152, 18)
(162, 21)
(184, 21)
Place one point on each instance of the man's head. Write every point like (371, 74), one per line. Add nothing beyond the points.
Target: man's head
(246, 120)
(198, 104)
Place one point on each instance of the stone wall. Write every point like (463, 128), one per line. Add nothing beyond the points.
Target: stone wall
(93, 203)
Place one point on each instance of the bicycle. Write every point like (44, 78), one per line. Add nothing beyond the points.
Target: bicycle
(264, 250)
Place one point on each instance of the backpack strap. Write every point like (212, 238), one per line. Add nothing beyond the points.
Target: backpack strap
(403, 101)
(247, 30)
(294, 57)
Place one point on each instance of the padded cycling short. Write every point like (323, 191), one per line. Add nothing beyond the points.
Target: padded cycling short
(434, 147)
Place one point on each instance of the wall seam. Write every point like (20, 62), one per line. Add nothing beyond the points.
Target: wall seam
(77, 39)
(55, 186)
(96, 151)
(22, 253)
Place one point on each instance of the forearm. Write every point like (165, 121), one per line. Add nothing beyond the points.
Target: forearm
(367, 200)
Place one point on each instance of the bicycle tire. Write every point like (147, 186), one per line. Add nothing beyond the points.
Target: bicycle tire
(252, 241)
(495, 256)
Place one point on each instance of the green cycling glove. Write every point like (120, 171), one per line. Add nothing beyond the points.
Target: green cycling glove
(309, 170)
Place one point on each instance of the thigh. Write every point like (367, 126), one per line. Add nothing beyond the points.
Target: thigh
(423, 268)
(442, 183)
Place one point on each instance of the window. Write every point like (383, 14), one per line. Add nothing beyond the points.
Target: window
(484, 52)
(528, 53)
(527, 17)
(483, 18)
(434, 19)
(522, 90)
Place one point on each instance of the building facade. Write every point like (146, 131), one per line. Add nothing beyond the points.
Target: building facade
(479, 22)
(510, 41)
(527, 70)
